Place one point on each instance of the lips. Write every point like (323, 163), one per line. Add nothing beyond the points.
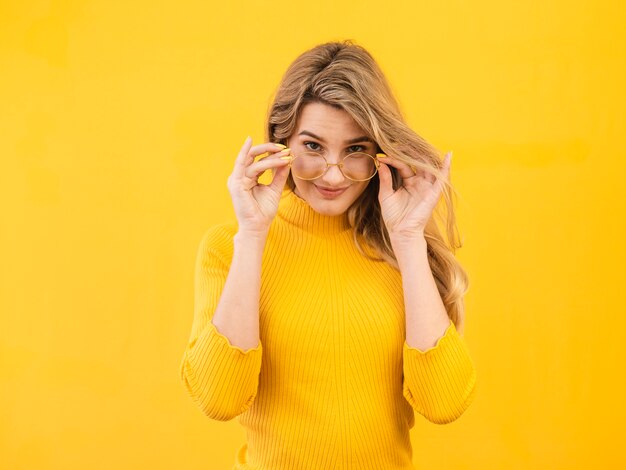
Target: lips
(330, 193)
(332, 189)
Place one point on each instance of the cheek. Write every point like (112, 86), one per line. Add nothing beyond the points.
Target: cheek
(361, 189)
(304, 189)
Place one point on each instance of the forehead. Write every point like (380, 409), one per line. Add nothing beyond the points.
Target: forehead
(328, 122)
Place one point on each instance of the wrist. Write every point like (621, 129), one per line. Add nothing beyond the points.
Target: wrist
(408, 251)
(408, 242)
(250, 237)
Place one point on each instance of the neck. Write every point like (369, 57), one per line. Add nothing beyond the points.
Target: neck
(298, 212)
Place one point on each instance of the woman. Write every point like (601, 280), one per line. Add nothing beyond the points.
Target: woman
(332, 309)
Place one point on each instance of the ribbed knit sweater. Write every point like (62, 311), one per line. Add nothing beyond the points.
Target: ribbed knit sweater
(332, 383)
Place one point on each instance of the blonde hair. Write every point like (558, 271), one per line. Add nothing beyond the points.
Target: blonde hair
(346, 76)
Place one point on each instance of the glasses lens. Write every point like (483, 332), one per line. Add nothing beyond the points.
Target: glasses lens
(359, 166)
(308, 165)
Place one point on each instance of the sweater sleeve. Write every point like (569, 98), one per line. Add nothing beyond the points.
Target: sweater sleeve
(440, 382)
(221, 378)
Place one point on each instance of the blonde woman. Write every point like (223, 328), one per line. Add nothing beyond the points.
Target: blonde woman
(331, 310)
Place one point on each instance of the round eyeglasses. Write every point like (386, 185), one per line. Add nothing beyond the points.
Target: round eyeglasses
(358, 166)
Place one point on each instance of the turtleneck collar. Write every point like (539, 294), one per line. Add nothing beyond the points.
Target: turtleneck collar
(298, 212)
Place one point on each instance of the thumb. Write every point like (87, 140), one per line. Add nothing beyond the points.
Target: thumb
(280, 178)
(386, 186)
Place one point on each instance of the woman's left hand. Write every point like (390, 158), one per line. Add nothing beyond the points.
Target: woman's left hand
(407, 210)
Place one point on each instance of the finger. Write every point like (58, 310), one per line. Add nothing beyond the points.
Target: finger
(264, 150)
(260, 166)
(241, 157)
(385, 180)
(271, 153)
(256, 169)
(404, 169)
(247, 154)
(447, 163)
(280, 178)
(445, 172)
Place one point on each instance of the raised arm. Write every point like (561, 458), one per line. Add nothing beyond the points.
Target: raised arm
(221, 364)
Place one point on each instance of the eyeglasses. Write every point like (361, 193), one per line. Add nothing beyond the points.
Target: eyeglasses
(357, 166)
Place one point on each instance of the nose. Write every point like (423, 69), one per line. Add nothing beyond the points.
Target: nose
(333, 176)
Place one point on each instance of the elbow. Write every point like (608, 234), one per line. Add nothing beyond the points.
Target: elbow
(213, 404)
(452, 413)
(223, 411)
(443, 409)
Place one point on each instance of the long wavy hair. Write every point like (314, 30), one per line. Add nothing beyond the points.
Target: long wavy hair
(346, 76)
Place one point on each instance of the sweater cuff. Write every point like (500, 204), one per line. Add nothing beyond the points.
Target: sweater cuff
(220, 377)
(440, 382)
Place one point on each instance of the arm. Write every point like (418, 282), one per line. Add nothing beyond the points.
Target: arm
(221, 363)
(237, 315)
(439, 374)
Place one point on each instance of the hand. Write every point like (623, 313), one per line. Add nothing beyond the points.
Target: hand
(407, 210)
(256, 204)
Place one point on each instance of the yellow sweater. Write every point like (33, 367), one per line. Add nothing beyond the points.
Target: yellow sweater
(333, 383)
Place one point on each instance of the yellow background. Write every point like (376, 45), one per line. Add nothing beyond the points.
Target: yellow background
(119, 125)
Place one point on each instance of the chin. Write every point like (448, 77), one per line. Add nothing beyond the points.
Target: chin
(325, 206)
(330, 207)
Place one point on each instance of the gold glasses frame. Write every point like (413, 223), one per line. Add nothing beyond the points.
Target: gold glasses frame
(339, 164)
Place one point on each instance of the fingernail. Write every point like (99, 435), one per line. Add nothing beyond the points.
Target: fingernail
(288, 157)
(280, 145)
(381, 155)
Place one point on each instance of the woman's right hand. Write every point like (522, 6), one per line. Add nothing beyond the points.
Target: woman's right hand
(256, 204)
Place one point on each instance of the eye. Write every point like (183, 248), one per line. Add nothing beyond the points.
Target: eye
(312, 143)
(361, 147)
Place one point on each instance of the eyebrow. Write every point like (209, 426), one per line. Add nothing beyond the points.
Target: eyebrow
(363, 138)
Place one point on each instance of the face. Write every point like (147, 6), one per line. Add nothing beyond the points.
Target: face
(332, 132)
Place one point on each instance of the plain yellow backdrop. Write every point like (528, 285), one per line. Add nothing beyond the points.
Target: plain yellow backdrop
(119, 125)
